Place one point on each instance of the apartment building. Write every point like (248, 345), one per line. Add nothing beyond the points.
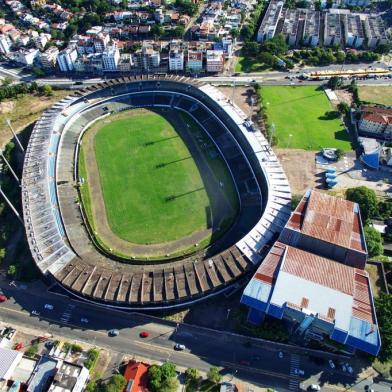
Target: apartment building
(375, 122)
(194, 61)
(110, 58)
(353, 31)
(49, 57)
(5, 44)
(215, 61)
(291, 24)
(125, 63)
(332, 29)
(26, 56)
(176, 60)
(311, 31)
(269, 24)
(146, 58)
(66, 59)
(375, 31)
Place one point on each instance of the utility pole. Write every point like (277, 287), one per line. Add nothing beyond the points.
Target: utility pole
(11, 206)
(13, 132)
(9, 167)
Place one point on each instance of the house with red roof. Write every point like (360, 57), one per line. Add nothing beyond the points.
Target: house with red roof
(136, 374)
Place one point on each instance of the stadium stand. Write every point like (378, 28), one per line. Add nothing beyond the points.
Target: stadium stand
(63, 247)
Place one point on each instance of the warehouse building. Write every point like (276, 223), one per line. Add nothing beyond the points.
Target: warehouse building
(314, 277)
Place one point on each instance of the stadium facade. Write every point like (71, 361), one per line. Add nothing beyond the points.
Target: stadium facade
(314, 278)
(61, 241)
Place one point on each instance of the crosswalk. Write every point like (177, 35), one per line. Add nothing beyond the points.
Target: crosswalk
(294, 364)
(67, 313)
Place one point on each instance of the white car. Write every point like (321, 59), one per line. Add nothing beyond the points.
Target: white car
(35, 313)
(350, 369)
(84, 320)
(331, 364)
(314, 387)
(48, 306)
(179, 347)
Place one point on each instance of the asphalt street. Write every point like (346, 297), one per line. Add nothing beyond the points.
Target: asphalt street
(251, 360)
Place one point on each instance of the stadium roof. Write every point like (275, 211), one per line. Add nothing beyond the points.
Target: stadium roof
(329, 219)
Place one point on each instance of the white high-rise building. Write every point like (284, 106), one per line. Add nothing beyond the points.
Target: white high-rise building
(110, 58)
(66, 59)
(4, 44)
(176, 60)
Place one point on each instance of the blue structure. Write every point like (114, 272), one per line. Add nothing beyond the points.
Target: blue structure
(321, 296)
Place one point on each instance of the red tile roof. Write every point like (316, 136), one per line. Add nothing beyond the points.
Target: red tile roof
(329, 219)
(137, 373)
(319, 270)
(269, 268)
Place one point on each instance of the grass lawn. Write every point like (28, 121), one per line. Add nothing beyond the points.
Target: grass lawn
(23, 110)
(247, 64)
(306, 114)
(376, 94)
(152, 189)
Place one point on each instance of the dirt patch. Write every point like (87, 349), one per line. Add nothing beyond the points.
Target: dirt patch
(242, 97)
(300, 169)
(344, 96)
(375, 278)
(6, 107)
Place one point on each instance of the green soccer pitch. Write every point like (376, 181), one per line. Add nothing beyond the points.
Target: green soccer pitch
(304, 118)
(152, 189)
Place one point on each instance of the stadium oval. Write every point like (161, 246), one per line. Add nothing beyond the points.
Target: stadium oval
(61, 241)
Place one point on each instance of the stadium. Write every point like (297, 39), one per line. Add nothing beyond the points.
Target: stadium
(174, 160)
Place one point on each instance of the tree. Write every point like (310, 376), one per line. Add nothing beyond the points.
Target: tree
(47, 90)
(157, 31)
(12, 270)
(213, 375)
(179, 31)
(339, 153)
(246, 33)
(334, 83)
(384, 317)
(155, 377)
(191, 374)
(169, 385)
(343, 108)
(374, 241)
(115, 384)
(235, 33)
(168, 370)
(366, 198)
(6, 81)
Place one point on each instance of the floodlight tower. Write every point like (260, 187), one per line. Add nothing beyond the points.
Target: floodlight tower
(9, 167)
(11, 206)
(8, 121)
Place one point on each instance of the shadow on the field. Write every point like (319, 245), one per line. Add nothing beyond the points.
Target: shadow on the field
(159, 141)
(174, 197)
(169, 163)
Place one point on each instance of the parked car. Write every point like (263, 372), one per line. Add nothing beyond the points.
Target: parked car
(144, 334)
(18, 346)
(331, 364)
(179, 347)
(84, 320)
(114, 332)
(280, 354)
(35, 312)
(48, 306)
(3, 298)
(314, 387)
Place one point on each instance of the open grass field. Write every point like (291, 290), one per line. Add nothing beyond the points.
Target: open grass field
(376, 94)
(304, 118)
(246, 64)
(152, 189)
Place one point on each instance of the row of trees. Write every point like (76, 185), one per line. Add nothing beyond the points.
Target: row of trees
(10, 91)
(327, 56)
(248, 30)
(163, 378)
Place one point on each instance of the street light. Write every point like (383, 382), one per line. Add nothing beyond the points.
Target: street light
(228, 312)
(289, 140)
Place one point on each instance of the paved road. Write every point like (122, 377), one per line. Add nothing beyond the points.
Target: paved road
(254, 361)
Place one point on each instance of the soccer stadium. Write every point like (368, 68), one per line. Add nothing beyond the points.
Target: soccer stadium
(150, 192)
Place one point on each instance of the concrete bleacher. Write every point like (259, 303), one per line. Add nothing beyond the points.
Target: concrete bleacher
(61, 245)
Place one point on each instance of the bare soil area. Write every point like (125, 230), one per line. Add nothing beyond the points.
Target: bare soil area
(300, 168)
(241, 96)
